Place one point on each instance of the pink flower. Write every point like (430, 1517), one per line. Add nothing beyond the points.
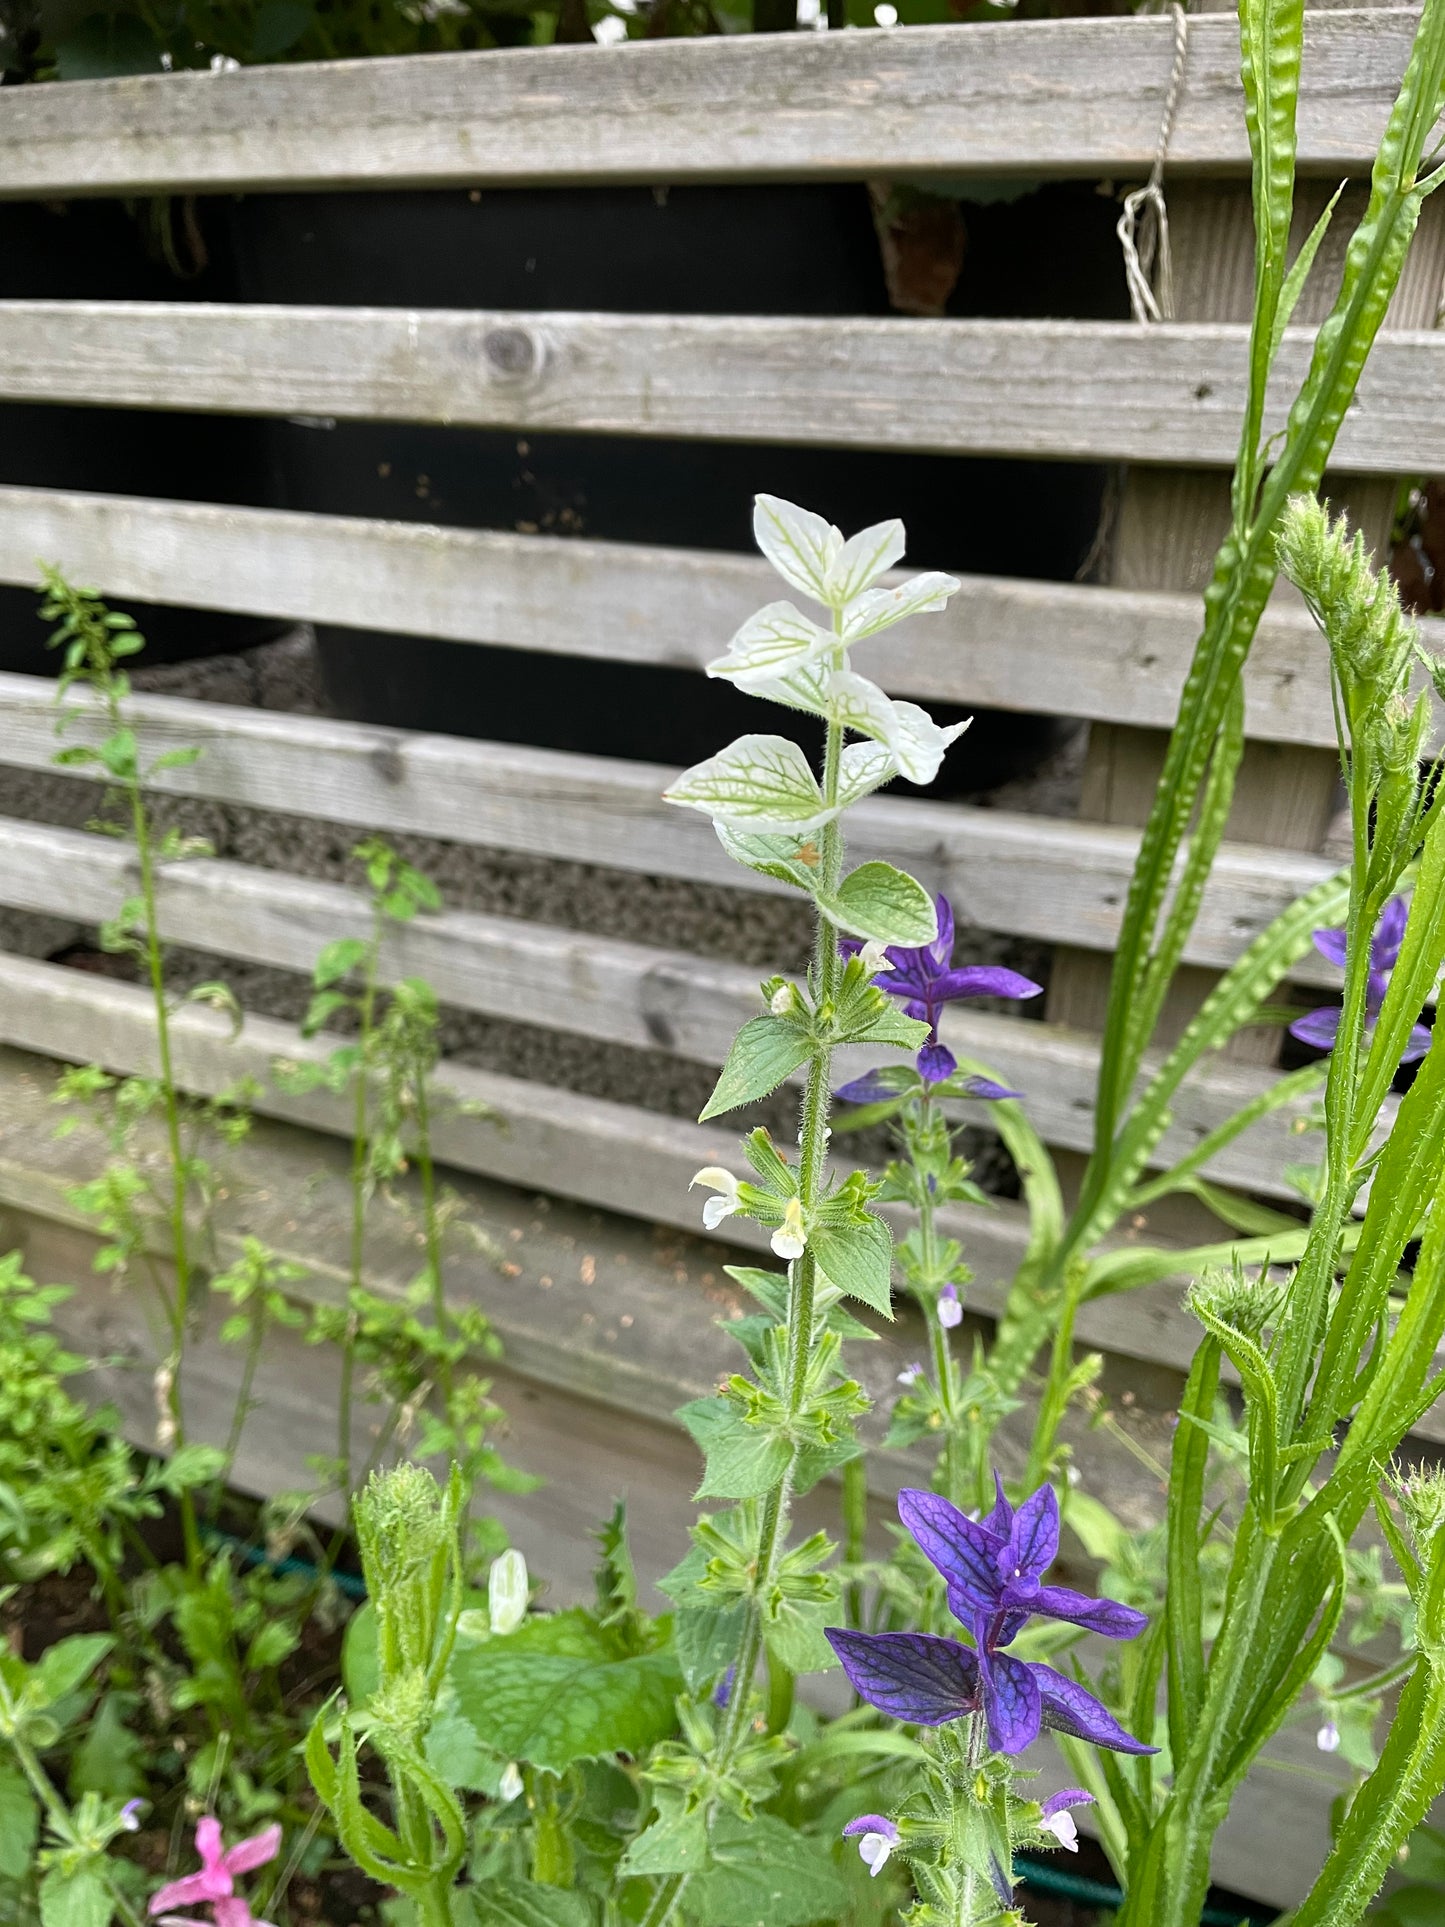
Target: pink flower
(215, 1884)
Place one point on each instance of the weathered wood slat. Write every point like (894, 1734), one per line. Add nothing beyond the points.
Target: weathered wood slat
(1109, 654)
(1069, 96)
(624, 993)
(1103, 391)
(614, 1156)
(1021, 875)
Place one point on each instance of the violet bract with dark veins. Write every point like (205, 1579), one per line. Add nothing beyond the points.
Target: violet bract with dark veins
(994, 1568)
(1321, 1027)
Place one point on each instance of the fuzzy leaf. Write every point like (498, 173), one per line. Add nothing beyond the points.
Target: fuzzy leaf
(858, 1259)
(19, 1823)
(69, 1663)
(78, 1899)
(765, 1052)
(707, 1638)
(877, 901)
(553, 1692)
(791, 859)
(523, 1903)
(761, 1871)
(677, 1844)
(743, 1461)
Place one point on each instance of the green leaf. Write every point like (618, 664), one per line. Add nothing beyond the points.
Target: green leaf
(789, 859)
(677, 1844)
(108, 1761)
(706, 1638)
(337, 960)
(858, 1260)
(793, 1631)
(770, 1288)
(888, 1025)
(19, 1823)
(765, 1052)
(763, 1874)
(522, 1903)
(743, 1461)
(552, 1693)
(79, 1899)
(64, 1666)
(190, 1466)
(877, 901)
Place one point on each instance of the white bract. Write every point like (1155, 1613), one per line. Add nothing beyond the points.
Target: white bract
(507, 1591)
(764, 784)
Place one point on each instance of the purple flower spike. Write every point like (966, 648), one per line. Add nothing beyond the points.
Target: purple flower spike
(995, 1570)
(924, 981)
(1321, 1028)
(876, 1836)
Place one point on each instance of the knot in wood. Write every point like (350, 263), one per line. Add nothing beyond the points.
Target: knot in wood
(511, 351)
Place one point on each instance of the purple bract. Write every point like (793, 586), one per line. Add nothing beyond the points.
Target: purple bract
(994, 1569)
(1322, 1027)
(924, 980)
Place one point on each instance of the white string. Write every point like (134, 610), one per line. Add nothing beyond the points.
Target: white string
(1143, 227)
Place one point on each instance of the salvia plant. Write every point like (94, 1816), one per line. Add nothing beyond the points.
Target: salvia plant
(486, 1760)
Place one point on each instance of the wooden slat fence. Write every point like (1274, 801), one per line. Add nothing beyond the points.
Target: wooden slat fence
(1071, 98)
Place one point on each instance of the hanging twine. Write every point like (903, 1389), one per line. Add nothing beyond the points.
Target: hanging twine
(1143, 227)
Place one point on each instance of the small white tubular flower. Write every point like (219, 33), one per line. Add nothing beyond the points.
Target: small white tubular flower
(1061, 1826)
(783, 1001)
(507, 1591)
(791, 1237)
(1328, 1738)
(728, 1200)
(910, 1375)
(877, 1836)
(509, 1787)
(874, 957)
(1057, 1819)
(950, 1311)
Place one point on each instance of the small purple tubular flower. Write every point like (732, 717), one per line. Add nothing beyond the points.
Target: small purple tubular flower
(994, 1569)
(877, 1836)
(924, 980)
(1321, 1027)
(950, 1311)
(723, 1691)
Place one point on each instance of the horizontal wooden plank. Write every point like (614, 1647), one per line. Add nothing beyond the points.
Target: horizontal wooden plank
(1031, 876)
(623, 993)
(616, 1157)
(1098, 390)
(1038, 97)
(1115, 654)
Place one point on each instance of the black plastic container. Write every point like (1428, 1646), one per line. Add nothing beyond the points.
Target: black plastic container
(96, 250)
(801, 250)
